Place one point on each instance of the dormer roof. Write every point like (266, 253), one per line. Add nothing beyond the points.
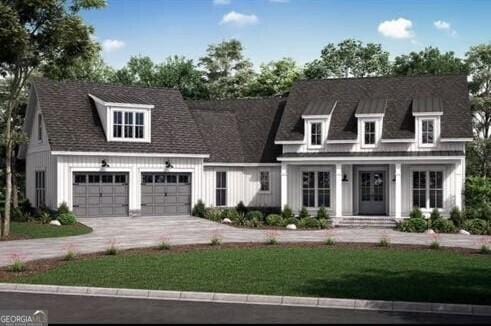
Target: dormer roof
(320, 107)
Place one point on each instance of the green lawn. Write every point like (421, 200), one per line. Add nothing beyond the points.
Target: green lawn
(36, 230)
(388, 274)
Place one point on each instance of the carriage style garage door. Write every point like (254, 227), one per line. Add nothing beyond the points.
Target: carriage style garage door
(166, 194)
(100, 194)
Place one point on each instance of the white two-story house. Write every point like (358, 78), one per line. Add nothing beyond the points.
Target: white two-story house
(359, 147)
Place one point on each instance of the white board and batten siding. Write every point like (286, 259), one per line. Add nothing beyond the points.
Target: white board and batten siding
(133, 165)
(243, 185)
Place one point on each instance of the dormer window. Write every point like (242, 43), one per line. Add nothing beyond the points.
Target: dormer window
(370, 134)
(128, 124)
(316, 134)
(427, 131)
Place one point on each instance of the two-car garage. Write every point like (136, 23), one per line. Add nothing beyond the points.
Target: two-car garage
(107, 194)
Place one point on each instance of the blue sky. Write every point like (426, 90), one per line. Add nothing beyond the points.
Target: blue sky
(272, 29)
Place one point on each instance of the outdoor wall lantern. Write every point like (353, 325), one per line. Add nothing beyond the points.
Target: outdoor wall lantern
(168, 165)
(345, 178)
(104, 164)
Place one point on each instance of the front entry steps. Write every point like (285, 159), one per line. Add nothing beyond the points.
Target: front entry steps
(384, 222)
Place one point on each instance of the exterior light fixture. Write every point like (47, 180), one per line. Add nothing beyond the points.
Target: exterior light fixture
(345, 178)
(104, 164)
(168, 165)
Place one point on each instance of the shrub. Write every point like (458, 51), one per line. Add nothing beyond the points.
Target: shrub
(325, 223)
(478, 196)
(456, 217)
(330, 242)
(213, 214)
(416, 213)
(476, 226)
(271, 238)
(111, 251)
(45, 217)
(164, 246)
(485, 250)
(67, 219)
(309, 223)
(384, 242)
(255, 215)
(241, 208)
(287, 212)
(17, 266)
(254, 223)
(215, 241)
(70, 255)
(230, 213)
(435, 245)
(292, 220)
(322, 213)
(25, 206)
(435, 215)
(442, 225)
(63, 209)
(18, 215)
(199, 209)
(274, 220)
(304, 213)
(414, 224)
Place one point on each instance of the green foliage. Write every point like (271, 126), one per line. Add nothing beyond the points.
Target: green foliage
(18, 215)
(456, 217)
(255, 215)
(230, 213)
(435, 215)
(63, 209)
(416, 213)
(213, 214)
(111, 251)
(304, 213)
(435, 245)
(485, 250)
(478, 198)
(322, 213)
(476, 226)
(442, 225)
(275, 78)
(199, 209)
(241, 208)
(430, 61)
(67, 219)
(349, 58)
(18, 266)
(330, 242)
(164, 246)
(70, 255)
(46, 217)
(414, 224)
(274, 220)
(325, 223)
(25, 206)
(253, 222)
(287, 212)
(384, 242)
(215, 241)
(309, 223)
(227, 71)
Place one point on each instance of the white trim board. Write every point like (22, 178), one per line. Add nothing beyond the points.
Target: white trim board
(69, 153)
(241, 164)
(307, 160)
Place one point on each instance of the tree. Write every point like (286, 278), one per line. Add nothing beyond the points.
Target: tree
(429, 61)
(350, 58)
(275, 78)
(227, 72)
(175, 72)
(35, 33)
(479, 63)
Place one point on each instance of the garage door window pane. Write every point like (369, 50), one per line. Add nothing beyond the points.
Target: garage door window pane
(120, 178)
(171, 179)
(94, 179)
(147, 178)
(184, 179)
(80, 178)
(107, 179)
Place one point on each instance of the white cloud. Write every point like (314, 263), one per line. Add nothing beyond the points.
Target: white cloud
(221, 2)
(442, 25)
(400, 28)
(112, 45)
(238, 19)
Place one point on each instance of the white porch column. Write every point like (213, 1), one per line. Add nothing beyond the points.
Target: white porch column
(398, 199)
(459, 181)
(339, 190)
(284, 184)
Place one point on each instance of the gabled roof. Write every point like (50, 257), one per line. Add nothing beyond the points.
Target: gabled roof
(73, 124)
(320, 106)
(399, 92)
(118, 98)
(239, 130)
(427, 104)
(371, 106)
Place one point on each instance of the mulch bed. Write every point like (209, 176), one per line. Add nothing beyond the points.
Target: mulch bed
(45, 265)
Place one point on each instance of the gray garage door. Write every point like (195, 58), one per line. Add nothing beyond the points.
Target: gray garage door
(166, 194)
(100, 194)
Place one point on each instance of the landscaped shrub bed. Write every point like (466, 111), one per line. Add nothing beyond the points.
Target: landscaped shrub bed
(260, 218)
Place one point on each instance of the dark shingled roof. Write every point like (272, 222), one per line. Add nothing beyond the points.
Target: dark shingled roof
(239, 130)
(371, 106)
(119, 98)
(73, 124)
(399, 92)
(427, 104)
(375, 154)
(319, 107)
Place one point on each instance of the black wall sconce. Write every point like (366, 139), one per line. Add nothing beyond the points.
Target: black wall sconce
(104, 164)
(345, 178)
(168, 165)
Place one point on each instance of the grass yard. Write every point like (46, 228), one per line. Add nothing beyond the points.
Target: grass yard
(33, 230)
(365, 273)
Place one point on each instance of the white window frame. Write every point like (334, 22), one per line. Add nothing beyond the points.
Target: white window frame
(146, 124)
(427, 171)
(322, 133)
(266, 191)
(421, 134)
(375, 133)
(316, 187)
(40, 128)
(221, 188)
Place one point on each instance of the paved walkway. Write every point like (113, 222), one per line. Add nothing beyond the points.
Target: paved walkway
(126, 232)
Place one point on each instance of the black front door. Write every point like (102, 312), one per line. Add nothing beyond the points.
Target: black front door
(372, 193)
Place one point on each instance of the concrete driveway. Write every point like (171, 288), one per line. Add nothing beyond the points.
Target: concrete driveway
(126, 232)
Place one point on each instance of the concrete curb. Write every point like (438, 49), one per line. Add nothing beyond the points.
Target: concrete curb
(355, 304)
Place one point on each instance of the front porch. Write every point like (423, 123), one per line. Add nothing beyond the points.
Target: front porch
(382, 190)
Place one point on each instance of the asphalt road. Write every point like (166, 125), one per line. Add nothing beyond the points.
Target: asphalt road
(85, 309)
